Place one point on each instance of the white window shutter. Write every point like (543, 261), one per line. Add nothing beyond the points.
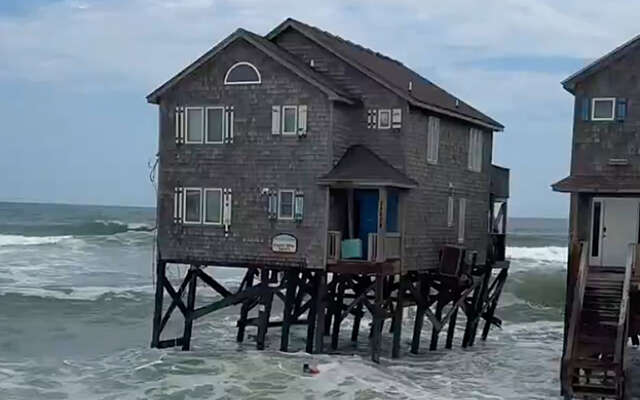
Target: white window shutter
(450, 212)
(273, 204)
(226, 212)
(470, 161)
(302, 120)
(177, 204)
(396, 118)
(299, 205)
(228, 124)
(479, 152)
(180, 125)
(369, 118)
(275, 120)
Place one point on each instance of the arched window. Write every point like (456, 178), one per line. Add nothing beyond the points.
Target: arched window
(242, 73)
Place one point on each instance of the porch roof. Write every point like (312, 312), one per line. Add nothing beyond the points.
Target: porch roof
(598, 184)
(361, 166)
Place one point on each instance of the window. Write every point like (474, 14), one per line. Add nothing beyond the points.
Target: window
(285, 204)
(215, 125)
(192, 205)
(595, 234)
(289, 120)
(384, 119)
(242, 73)
(462, 213)
(450, 212)
(475, 150)
(213, 206)
(602, 109)
(195, 124)
(433, 140)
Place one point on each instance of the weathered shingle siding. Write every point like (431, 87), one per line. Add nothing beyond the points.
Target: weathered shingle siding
(595, 142)
(426, 227)
(255, 160)
(350, 122)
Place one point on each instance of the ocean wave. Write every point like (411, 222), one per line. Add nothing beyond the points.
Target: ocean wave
(547, 254)
(19, 240)
(88, 293)
(87, 228)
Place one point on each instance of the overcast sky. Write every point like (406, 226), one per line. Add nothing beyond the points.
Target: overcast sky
(74, 76)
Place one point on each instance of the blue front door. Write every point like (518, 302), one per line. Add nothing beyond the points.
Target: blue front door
(366, 202)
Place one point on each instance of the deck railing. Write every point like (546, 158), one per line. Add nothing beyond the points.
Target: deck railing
(623, 320)
(391, 248)
(579, 256)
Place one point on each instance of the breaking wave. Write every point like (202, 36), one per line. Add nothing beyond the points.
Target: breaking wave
(90, 228)
(546, 254)
(19, 240)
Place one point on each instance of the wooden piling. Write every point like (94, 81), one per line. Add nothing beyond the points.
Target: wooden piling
(291, 278)
(378, 319)
(157, 311)
(188, 317)
(397, 318)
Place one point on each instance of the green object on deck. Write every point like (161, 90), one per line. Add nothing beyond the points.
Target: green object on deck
(351, 248)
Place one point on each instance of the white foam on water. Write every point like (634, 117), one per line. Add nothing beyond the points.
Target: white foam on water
(544, 254)
(19, 240)
(90, 293)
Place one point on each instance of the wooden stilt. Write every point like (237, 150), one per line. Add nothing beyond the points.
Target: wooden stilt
(157, 311)
(312, 317)
(246, 305)
(423, 291)
(436, 332)
(292, 282)
(484, 286)
(397, 318)
(377, 320)
(337, 310)
(266, 299)
(321, 298)
(188, 318)
(452, 324)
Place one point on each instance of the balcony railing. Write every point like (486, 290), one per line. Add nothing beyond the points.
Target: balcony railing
(353, 251)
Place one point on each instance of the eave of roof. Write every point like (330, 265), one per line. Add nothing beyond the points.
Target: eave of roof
(570, 83)
(598, 184)
(302, 28)
(269, 48)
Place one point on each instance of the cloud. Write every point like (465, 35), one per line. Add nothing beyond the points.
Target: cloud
(506, 57)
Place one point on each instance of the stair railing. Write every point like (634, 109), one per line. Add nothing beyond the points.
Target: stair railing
(621, 336)
(580, 250)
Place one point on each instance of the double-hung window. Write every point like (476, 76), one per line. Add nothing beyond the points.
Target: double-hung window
(214, 125)
(289, 120)
(192, 205)
(433, 140)
(195, 124)
(213, 206)
(475, 150)
(285, 204)
(384, 119)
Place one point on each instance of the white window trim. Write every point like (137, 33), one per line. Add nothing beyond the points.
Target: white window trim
(462, 219)
(293, 201)
(184, 206)
(186, 125)
(450, 210)
(295, 124)
(204, 206)
(613, 108)
(380, 112)
(476, 150)
(226, 76)
(206, 124)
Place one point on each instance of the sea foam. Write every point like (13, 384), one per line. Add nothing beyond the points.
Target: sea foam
(19, 240)
(546, 254)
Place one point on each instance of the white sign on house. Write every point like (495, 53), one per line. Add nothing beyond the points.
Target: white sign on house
(284, 243)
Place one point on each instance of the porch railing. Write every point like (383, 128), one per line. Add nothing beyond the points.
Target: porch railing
(334, 241)
(391, 248)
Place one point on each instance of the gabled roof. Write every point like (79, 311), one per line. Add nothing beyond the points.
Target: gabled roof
(598, 184)
(361, 166)
(391, 74)
(570, 83)
(278, 54)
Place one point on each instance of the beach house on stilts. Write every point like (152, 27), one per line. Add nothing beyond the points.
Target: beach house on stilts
(602, 277)
(343, 184)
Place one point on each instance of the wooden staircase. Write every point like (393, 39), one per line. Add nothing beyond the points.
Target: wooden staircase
(594, 362)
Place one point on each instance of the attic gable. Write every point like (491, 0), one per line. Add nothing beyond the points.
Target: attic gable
(278, 54)
(601, 63)
(392, 74)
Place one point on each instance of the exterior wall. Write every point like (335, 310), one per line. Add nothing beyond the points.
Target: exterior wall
(426, 208)
(425, 228)
(595, 142)
(255, 160)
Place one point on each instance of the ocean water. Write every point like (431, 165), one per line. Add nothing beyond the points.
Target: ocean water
(76, 302)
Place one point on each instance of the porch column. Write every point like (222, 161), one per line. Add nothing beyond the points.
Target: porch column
(382, 223)
(350, 211)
